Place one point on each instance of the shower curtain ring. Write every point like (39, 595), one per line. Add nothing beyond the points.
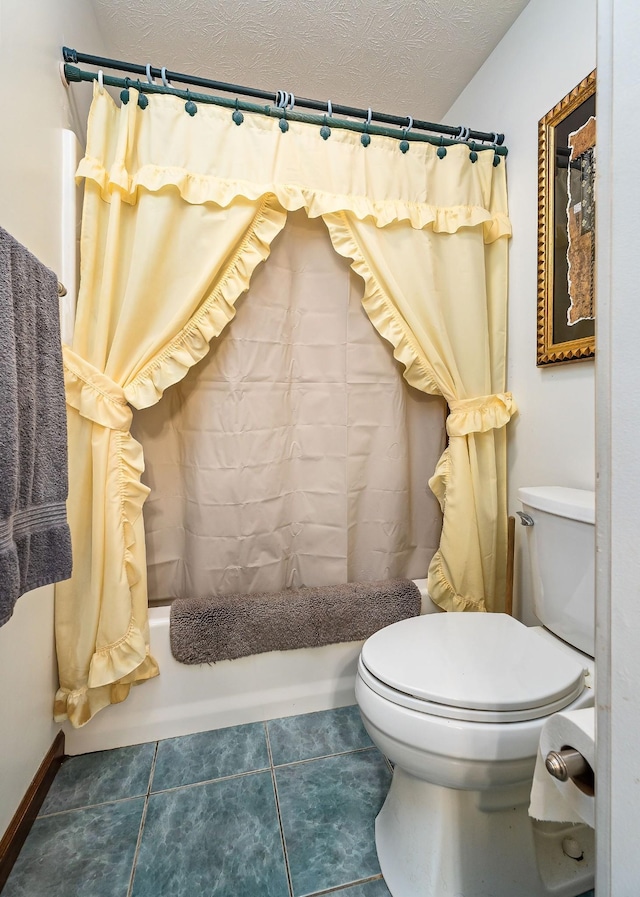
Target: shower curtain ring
(163, 75)
(365, 140)
(404, 143)
(237, 116)
(101, 80)
(283, 124)
(149, 76)
(190, 106)
(124, 93)
(143, 101)
(325, 130)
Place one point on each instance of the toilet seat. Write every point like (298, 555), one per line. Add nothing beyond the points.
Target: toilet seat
(475, 667)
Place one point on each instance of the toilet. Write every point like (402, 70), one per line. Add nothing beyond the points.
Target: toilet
(457, 702)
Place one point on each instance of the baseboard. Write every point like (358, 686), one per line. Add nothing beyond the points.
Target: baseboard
(26, 814)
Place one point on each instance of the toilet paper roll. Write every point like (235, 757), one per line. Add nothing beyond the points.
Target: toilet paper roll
(551, 799)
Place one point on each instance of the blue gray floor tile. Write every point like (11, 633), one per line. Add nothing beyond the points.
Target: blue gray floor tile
(217, 839)
(210, 755)
(328, 810)
(317, 735)
(199, 815)
(87, 852)
(105, 776)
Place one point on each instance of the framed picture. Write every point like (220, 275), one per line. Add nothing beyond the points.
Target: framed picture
(566, 227)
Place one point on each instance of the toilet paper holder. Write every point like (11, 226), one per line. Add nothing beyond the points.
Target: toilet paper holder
(569, 763)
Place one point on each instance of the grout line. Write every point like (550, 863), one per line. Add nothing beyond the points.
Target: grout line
(339, 889)
(103, 803)
(362, 750)
(153, 768)
(236, 775)
(250, 772)
(152, 771)
(268, 740)
(143, 819)
(277, 800)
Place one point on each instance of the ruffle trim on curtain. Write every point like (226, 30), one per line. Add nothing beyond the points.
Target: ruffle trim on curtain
(102, 401)
(198, 189)
(381, 311)
(114, 667)
(80, 705)
(113, 663)
(480, 414)
(192, 343)
(440, 588)
(447, 597)
(93, 394)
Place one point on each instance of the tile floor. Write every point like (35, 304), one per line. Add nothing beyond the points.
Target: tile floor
(277, 809)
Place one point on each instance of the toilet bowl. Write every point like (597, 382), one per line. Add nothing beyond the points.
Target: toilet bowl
(457, 703)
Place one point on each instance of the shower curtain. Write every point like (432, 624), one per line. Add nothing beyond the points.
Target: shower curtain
(179, 210)
(295, 453)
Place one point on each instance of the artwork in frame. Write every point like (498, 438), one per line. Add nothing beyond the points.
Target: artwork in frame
(566, 227)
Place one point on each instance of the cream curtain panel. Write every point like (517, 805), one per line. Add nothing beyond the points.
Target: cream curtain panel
(178, 213)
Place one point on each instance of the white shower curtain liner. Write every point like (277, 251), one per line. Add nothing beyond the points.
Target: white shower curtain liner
(294, 453)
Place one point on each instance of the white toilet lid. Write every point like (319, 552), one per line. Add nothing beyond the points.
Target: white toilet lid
(471, 666)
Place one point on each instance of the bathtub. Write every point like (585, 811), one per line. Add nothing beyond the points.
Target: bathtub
(185, 699)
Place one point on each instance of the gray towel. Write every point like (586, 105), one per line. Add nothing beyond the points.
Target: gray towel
(35, 543)
(222, 628)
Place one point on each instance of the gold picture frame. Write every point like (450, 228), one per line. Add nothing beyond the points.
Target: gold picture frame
(566, 228)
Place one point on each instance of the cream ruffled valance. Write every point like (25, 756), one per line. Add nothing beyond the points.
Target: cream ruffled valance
(300, 169)
(178, 213)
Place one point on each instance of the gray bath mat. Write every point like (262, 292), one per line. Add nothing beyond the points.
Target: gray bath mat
(222, 628)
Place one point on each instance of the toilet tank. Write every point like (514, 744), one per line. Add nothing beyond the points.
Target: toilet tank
(561, 544)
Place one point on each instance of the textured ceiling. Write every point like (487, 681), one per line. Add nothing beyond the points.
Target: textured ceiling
(407, 57)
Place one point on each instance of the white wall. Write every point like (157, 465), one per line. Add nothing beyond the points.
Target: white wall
(35, 109)
(552, 440)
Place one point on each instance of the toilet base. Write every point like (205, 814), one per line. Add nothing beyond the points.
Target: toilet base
(442, 842)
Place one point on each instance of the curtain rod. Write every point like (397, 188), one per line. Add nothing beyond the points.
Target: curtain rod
(460, 134)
